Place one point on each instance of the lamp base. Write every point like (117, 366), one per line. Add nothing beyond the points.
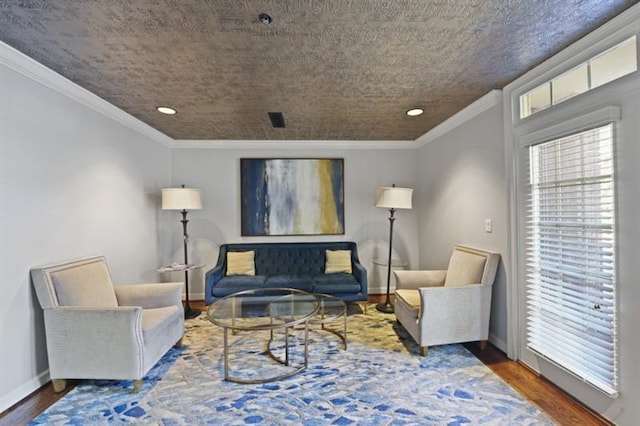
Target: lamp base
(387, 308)
(190, 313)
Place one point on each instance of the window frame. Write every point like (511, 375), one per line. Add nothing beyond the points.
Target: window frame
(586, 121)
(618, 94)
(603, 118)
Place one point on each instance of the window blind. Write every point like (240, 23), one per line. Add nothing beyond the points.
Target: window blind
(570, 255)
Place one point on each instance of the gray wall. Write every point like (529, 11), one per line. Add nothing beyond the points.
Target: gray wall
(462, 183)
(217, 172)
(73, 183)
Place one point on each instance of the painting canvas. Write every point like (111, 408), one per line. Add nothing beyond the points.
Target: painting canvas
(292, 196)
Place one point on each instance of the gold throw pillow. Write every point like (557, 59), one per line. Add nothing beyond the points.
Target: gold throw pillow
(241, 263)
(337, 261)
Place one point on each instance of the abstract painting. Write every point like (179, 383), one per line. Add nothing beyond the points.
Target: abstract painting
(292, 196)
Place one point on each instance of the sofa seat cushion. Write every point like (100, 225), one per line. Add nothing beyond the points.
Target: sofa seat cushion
(236, 283)
(302, 282)
(336, 284)
(410, 299)
(156, 320)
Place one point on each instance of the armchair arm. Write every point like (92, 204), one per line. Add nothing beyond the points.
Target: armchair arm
(455, 314)
(95, 342)
(148, 296)
(417, 279)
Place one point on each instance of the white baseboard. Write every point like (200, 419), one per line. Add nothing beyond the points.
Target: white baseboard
(195, 296)
(381, 289)
(16, 395)
(497, 342)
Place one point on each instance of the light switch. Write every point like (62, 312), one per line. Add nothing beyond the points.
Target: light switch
(488, 225)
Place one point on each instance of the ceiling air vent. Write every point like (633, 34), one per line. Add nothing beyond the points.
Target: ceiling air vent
(277, 120)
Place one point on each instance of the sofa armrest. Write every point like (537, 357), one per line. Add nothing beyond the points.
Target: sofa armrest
(95, 342)
(211, 278)
(360, 274)
(417, 279)
(156, 295)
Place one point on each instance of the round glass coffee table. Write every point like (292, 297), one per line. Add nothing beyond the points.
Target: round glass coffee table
(331, 308)
(260, 310)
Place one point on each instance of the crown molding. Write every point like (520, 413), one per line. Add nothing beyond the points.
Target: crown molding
(612, 32)
(290, 144)
(30, 68)
(486, 102)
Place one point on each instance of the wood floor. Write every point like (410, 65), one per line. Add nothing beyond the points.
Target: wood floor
(557, 404)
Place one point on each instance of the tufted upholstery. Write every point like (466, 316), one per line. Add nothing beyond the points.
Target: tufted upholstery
(296, 265)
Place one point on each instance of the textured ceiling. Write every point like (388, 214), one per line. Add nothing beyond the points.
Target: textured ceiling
(336, 69)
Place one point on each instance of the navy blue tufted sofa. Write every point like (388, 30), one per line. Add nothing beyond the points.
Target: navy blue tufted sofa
(292, 265)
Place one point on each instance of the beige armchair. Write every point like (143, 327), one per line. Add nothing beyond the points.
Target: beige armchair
(441, 307)
(95, 330)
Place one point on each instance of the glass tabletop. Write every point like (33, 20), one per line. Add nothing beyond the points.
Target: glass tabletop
(263, 309)
(330, 307)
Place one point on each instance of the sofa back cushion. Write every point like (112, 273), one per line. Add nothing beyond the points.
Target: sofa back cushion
(290, 258)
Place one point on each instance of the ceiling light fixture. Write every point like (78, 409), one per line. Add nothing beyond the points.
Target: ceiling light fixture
(265, 18)
(414, 112)
(166, 110)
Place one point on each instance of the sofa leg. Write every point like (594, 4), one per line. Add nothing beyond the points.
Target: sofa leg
(59, 385)
(137, 385)
(483, 345)
(178, 343)
(424, 350)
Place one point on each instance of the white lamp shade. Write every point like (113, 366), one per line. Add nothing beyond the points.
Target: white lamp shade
(393, 197)
(181, 199)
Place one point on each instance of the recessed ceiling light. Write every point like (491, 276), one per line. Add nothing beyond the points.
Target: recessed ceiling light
(265, 18)
(414, 112)
(166, 110)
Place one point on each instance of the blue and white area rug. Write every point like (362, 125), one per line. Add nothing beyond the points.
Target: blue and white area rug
(379, 380)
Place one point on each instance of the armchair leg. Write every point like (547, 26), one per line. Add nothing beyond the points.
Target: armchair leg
(424, 350)
(483, 345)
(178, 343)
(137, 385)
(59, 385)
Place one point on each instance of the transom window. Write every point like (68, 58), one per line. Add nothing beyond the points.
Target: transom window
(608, 66)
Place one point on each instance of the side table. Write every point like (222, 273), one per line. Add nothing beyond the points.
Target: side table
(395, 264)
(189, 312)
